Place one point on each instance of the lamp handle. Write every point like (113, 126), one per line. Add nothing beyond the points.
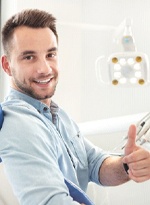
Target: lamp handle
(98, 70)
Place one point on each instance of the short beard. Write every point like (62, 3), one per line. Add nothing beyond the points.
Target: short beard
(29, 91)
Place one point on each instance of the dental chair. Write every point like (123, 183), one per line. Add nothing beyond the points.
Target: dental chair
(75, 192)
(1, 117)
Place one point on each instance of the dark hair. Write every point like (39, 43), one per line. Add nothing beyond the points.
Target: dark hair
(33, 18)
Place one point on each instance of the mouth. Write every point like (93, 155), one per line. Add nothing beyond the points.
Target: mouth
(43, 82)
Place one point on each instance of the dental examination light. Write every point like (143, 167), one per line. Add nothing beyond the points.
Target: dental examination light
(126, 68)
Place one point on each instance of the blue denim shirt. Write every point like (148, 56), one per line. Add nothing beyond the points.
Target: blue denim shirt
(38, 153)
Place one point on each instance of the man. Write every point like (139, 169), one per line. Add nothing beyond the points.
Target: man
(40, 145)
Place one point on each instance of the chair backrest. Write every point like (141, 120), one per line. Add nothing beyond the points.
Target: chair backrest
(1, 116)
(1, 121)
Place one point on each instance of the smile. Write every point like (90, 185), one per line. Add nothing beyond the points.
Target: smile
(43, 81)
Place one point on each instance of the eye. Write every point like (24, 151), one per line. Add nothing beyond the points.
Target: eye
(28, 57)
(51, 55)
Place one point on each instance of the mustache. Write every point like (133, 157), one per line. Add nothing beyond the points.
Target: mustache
(43, 76)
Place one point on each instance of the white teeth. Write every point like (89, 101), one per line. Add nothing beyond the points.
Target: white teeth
(43, 81)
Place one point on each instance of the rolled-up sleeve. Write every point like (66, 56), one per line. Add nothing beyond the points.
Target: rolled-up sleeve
(95, 156)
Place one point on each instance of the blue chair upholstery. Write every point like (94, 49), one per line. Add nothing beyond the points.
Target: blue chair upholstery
(1, 121)
(1, 117)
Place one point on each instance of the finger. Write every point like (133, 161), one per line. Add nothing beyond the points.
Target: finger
(139, 164)
(139, 156)
(140, 172)
(138, 179)
(131, 142)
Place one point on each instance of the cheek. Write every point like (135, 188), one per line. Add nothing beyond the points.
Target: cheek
(18, 73)
(56, 68)
(58, 71)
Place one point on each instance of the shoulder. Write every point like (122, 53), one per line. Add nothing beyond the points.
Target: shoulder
(25, 128)
(23, 121)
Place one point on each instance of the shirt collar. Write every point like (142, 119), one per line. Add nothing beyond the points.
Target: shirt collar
(41, 107)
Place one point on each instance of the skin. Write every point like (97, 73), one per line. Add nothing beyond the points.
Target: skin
(32, 65)
(112, 172)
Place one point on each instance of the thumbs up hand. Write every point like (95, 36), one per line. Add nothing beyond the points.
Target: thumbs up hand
(137, 158)
(131, 142)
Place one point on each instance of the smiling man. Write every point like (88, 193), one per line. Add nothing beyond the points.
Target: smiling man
(40, 145)
(32, 62)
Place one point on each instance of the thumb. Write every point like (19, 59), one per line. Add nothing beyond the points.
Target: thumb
(131, 142)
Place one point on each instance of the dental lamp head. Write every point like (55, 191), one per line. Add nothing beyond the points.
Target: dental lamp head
(128, 67)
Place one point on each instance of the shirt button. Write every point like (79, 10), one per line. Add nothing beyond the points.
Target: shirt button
(45, 108)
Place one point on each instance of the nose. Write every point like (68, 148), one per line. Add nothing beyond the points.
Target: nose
(44, 67)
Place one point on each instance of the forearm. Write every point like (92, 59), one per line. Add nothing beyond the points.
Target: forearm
(112, 172)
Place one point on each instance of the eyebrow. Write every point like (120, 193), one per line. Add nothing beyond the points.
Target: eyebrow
(28, 52)
(52, 49)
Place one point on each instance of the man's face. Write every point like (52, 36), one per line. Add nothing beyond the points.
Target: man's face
(33, 62)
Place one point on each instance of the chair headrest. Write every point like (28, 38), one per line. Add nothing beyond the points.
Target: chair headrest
(1, 116)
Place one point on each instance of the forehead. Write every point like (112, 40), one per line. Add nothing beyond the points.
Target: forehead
(33, 38)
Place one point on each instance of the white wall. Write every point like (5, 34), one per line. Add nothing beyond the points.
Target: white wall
(78, 91)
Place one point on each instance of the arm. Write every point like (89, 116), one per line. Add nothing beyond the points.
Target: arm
(112, 172)
(31, 160)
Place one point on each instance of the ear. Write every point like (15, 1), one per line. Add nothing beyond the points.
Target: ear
(5, 65)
